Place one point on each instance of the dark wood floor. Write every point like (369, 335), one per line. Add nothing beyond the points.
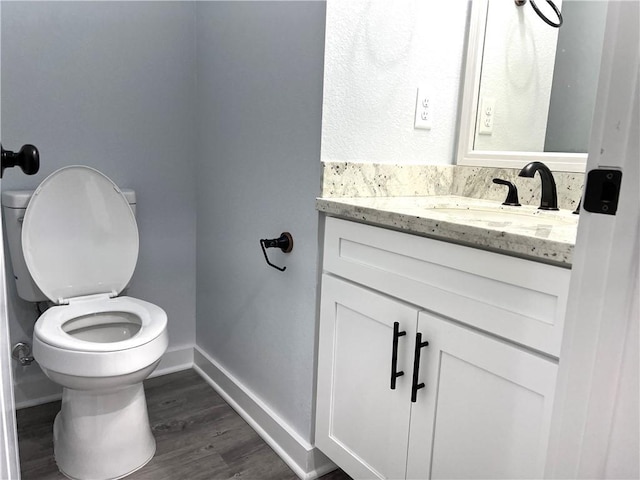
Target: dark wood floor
(198, 436)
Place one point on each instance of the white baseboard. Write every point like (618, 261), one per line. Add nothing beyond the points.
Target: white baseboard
(38, 389)
(303, 458)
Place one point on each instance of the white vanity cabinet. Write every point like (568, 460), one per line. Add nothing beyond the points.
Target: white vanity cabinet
(484, 410)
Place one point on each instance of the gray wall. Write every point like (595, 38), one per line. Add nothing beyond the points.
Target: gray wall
(172, 97)
(260, 69)
(111, 85)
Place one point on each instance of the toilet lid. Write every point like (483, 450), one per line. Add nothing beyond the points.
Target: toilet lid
(79, 235)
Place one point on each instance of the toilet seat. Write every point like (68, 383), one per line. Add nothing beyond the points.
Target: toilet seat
(50, 326)
(79, 235)
(57, 351)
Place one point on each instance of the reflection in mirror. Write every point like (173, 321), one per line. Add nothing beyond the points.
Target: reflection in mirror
(540, 81)
(529, 88)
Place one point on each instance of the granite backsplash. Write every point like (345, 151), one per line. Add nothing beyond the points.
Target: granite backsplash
(385, 180)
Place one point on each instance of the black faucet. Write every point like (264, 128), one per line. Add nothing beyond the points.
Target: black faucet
(549, 200)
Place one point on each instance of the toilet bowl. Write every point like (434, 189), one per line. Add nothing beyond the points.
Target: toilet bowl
(80, 245)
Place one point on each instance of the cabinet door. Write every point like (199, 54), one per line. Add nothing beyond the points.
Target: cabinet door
(485, 409)
(361, 423)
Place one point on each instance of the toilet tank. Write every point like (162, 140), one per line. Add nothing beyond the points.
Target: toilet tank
(14, 205)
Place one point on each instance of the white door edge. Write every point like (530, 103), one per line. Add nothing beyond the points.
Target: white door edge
(9, 463)
(596, 346)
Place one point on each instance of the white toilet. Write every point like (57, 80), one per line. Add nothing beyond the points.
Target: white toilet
(80, 244)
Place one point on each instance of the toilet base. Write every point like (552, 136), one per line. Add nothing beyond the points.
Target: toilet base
(103, 434)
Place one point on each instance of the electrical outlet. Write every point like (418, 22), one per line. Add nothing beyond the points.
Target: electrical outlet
(424, 115)
(487, 115)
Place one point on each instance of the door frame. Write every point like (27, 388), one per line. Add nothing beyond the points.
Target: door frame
(604, 284)
(9, 462)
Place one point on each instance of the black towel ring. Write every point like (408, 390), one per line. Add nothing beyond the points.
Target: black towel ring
(519, 3)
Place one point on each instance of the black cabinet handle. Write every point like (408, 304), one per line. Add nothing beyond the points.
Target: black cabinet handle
(415, 386)
(394, 355)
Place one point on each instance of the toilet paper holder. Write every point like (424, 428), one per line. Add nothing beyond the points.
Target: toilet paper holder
(284, 242)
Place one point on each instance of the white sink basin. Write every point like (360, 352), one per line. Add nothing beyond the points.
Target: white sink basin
(504, 216)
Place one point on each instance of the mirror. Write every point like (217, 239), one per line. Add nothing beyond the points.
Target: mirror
(530, 88)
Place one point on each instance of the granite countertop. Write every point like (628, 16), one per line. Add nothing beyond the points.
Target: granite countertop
(520, 231)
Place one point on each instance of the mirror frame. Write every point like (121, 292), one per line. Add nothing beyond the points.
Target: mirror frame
(556, 161)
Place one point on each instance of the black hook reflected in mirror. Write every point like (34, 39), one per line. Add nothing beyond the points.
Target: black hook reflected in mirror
(284, 242)
(544, 18)
(28, 159)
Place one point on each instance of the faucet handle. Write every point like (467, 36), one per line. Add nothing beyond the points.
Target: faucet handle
(512, 195)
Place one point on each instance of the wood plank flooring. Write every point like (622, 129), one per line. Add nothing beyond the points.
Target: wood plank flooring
(198, 436)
